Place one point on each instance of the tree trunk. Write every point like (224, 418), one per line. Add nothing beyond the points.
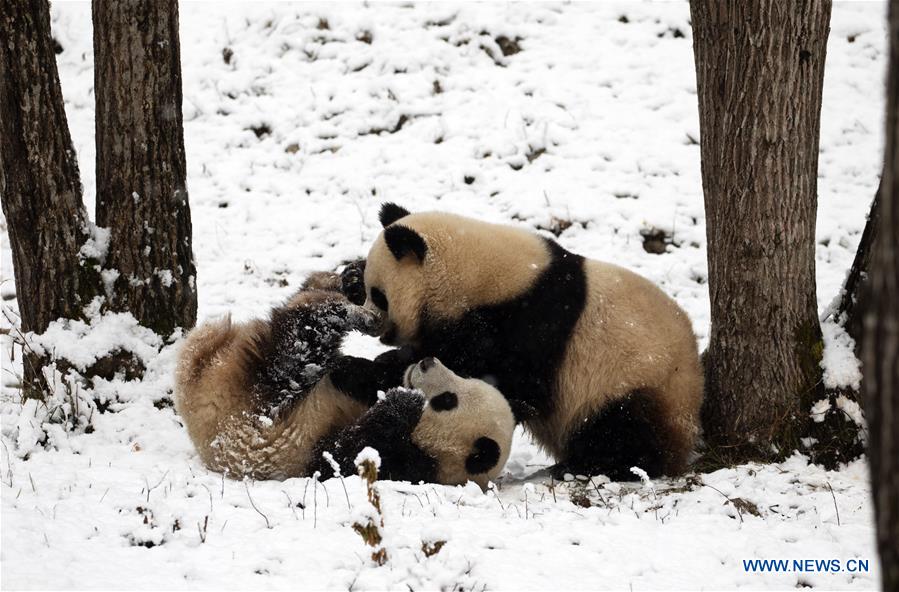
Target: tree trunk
(39, 182)
(880, 343)
(760, 70)
(851, 306)
(141, 191)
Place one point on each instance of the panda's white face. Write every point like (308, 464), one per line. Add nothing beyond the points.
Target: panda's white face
(395, 290)
(441, 266)
(466, 424)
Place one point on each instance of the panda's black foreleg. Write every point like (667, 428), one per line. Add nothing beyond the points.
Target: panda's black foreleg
(622, 435)
(362, 379)
(303, 344)
(387, 427)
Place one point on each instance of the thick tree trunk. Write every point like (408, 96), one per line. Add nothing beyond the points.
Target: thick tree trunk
(880, 344)
(39, 183)
(141, 191)
(760, 70)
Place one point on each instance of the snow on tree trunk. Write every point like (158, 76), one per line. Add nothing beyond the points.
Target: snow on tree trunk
(46, 220)
(141, 190)
(880, 346)
(760, 70)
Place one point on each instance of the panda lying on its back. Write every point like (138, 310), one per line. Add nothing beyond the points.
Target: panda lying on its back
(599, 363)
(267, 398)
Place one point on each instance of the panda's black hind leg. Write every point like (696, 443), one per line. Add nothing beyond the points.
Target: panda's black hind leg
(622, 435)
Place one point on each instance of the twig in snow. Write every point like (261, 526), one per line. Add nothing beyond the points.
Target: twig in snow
(210, 497)
(834, 502)
(202, 529)
(328, 457)
(8, 463)
(103, 496)
(149, 489)
(252, 503)
(502, 507)
(303, 503)
(315, 477)
(290, 504)
(736, 507)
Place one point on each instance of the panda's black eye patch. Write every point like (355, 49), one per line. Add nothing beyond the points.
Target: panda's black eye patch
(378, 297)
(483, 457)
(445, 401)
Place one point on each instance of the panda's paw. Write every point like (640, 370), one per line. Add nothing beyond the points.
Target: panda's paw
(322, 280)
(352, 281)
(561, 472)
(363, 319)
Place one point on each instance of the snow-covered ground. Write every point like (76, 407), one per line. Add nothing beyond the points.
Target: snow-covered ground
(299, 120)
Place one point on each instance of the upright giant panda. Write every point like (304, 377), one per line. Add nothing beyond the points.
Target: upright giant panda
(600, 365)
(268, 398)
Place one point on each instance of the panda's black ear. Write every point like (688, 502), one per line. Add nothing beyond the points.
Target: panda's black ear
(484, 456)
(390, 213)
(402, 241)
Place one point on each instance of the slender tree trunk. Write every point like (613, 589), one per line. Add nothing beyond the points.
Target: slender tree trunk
(141, 191)
(880, 347)
(39, 183)
(760, 71)
(851, 306)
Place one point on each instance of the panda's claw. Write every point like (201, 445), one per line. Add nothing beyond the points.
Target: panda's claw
(352, 281)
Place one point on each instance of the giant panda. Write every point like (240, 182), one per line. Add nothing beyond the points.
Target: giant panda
(265, 399)
(439, 428)
(256, 397)
(600, 365)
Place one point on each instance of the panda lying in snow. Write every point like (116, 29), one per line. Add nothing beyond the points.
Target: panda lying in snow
(600, 365)
(267, 398)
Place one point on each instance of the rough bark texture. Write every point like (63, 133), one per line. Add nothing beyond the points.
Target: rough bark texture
(880, 347)
(39, 182)
(760, 70)
(851, 306)
(141, 191)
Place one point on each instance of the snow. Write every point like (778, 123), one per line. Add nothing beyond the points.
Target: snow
(83, 343)
(841, 367)
(368, 454)
(589, 133)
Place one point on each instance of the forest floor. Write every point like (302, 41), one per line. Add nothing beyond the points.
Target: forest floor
(299, 120)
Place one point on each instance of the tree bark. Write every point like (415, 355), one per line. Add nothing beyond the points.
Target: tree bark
(880, 342)
(760, 70)
(851, 306)
(39, 182)
(141, 190)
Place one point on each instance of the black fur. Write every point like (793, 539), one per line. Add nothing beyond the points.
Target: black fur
(379, 299)
(444, 402)
(299, 350)
(622, 435)
(484, 456)
(352, 281)
(361, 379)
(519, 345)
(390, 213)
(402, 241)
(387, 427)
